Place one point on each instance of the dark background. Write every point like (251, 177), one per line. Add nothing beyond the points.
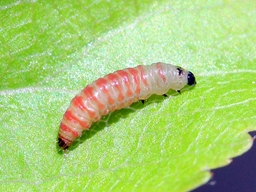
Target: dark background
(239, 176)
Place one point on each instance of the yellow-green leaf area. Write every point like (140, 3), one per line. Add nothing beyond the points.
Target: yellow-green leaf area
(49, 50)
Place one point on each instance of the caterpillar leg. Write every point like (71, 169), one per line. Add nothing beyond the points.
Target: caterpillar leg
(179, 91)
(143, 101)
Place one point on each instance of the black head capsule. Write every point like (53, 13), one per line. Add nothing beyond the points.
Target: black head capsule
(191, 79)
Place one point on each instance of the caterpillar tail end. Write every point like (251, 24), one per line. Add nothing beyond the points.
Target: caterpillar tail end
(64, 143)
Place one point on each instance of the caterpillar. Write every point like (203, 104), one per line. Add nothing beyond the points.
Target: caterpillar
(118, 90)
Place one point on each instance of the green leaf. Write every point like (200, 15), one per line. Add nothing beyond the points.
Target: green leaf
(50, 50)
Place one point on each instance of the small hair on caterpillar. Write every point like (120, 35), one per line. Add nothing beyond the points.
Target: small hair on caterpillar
(118, 90)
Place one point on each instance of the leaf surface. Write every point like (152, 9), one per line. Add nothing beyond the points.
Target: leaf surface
(51, 50)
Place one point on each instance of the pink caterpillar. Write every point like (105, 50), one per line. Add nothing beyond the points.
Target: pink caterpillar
(117, 90)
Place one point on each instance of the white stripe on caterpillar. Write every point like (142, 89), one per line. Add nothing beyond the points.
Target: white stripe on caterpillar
(118, 90)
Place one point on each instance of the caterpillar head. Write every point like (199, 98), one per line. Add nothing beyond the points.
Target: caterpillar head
(191, 79)
(187, 76)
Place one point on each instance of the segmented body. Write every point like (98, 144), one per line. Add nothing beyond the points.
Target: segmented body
(118, 90)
